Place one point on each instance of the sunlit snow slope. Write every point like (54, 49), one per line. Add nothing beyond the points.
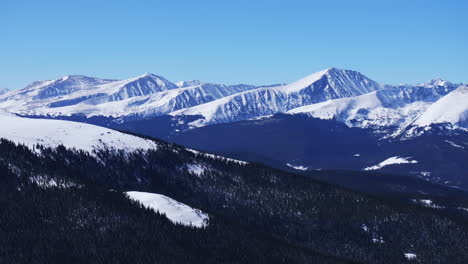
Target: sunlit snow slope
(69, 134)
(452, 108)
(177, 212)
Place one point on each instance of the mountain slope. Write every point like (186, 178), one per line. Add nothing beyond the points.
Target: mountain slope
(324, 85)
(452, 108)
(394, 107)
(177, 212)
(315, 144)
(145, 95)
(90, 224)
(257, 214)
(53, 133)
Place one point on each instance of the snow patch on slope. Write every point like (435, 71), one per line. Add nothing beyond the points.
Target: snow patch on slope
(410, 256)
(453, 144)
(189, 83)
(176, 212)
(364, 111)
(297, 167)
(142, 96)
(302, 83)
(391, 161)
(195, 169)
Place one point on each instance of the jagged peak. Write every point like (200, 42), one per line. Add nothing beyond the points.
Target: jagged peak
(437, 82)
(146, 75)
(150, 77)
(189, 83)
(334, 70)
(330, 73)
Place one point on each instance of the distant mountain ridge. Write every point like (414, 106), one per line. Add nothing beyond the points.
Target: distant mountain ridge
(345, 95)
(318, 87)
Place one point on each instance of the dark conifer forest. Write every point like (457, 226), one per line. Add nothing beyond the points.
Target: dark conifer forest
(256, 214)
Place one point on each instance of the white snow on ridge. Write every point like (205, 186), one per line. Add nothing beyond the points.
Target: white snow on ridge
(145, 95)
(346, 95)
(391, 161)
(454, 144)
(176, 212)
(364, 111)
(266, 101)
(52, 133)
(300, 84)
(397, 106)
(452, 108)
(331, 108)
(297, 167)
(189, 83)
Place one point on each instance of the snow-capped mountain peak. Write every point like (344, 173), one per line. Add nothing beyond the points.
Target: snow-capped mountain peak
(436, 82)
(342, 82)
(304, 82)
(324, 85)
(189, 83)
(143, 85)
(153, 77)
(60, 87)
(452, 108)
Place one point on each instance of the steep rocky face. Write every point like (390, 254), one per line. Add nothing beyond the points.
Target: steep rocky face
(321, 86)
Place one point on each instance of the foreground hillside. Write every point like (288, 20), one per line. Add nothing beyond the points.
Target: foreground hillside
(53, 133)
(63, 205)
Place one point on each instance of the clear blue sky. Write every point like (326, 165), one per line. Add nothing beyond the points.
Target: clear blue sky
(227, 41)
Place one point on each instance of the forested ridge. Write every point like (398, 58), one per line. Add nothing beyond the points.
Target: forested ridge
(257, 214)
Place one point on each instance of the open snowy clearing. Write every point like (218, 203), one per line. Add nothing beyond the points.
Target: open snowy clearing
(176, 212)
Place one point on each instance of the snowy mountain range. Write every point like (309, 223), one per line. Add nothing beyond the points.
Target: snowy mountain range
(322, 126)
(345, 95)
(146, 95)
(397, 107)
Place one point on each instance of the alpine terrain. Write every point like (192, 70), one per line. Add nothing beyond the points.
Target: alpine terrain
(343, 119)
